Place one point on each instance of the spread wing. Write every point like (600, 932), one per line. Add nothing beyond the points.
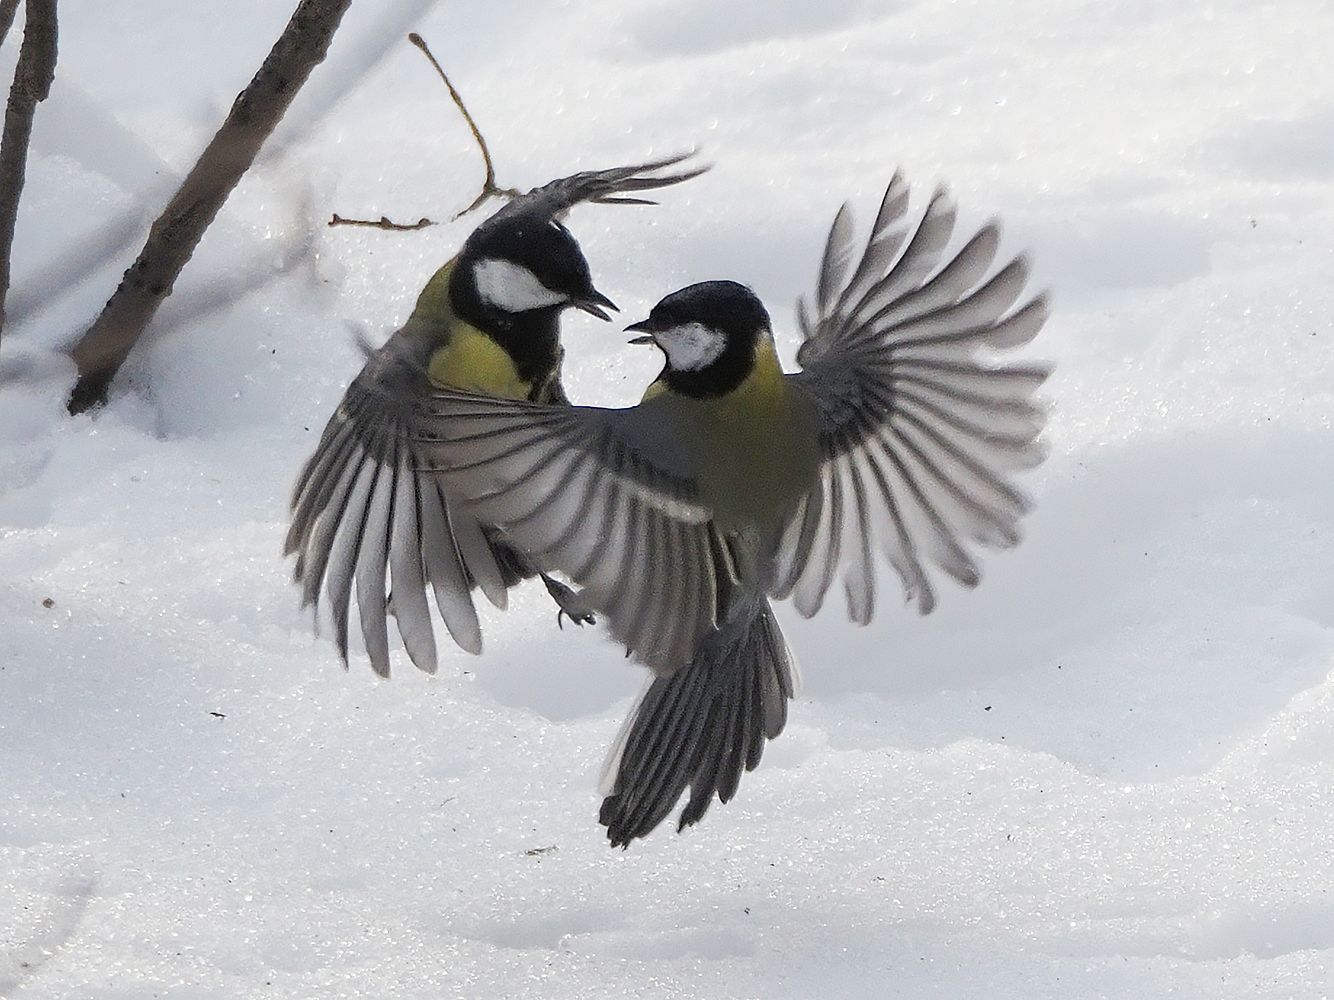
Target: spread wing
(600, 495)
(364, 513)
(921, 427)
(606, 187)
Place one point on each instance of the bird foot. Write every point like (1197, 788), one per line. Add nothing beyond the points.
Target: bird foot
(570, 604)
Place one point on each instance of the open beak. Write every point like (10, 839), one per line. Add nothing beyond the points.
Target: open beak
(642, 325)
(596, 304)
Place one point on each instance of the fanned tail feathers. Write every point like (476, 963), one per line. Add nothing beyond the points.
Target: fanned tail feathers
(700, 727)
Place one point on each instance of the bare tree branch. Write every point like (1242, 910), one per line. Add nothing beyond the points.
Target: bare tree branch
(174, 236)
(377, 38)
(383, 222)
(489, 188)
(8, 8)
(32, 82)
(78, 125)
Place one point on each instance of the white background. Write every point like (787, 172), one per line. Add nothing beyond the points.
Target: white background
(1108, 772)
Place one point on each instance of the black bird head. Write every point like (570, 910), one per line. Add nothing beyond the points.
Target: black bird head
(521, 267)
(708, 332)
(519, 264)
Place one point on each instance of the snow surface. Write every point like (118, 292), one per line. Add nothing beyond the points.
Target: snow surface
(1108, 772)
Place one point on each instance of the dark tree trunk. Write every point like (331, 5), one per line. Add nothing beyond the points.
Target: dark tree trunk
(32, 82)
(174, 236)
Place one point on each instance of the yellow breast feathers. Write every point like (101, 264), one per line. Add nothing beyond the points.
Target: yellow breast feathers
(755, 447)
(467, 359)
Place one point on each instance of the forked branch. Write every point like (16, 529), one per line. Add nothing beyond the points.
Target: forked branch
(489, 187)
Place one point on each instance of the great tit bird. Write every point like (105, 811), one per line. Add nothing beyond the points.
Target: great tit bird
(487, 322)
(732, 482)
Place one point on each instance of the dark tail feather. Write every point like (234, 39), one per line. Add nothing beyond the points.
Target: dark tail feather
(701, 727)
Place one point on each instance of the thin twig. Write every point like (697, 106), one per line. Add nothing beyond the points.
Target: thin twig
(172, 240)
(382, 222)
(489, 188)
(32, 83)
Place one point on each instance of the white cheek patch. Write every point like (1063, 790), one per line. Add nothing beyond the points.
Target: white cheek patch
(511, 287)
(691, 346)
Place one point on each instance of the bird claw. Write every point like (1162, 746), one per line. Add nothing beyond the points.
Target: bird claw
(581, 618)
(568, 604)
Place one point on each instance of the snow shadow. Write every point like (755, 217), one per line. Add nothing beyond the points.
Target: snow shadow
(1166, 602)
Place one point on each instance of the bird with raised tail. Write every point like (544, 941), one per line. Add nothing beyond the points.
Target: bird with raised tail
(733, 483)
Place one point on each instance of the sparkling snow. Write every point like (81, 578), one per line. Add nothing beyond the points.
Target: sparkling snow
(1108, 772)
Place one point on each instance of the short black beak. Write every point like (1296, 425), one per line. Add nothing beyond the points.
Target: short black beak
(643, 325)
(596, 304)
